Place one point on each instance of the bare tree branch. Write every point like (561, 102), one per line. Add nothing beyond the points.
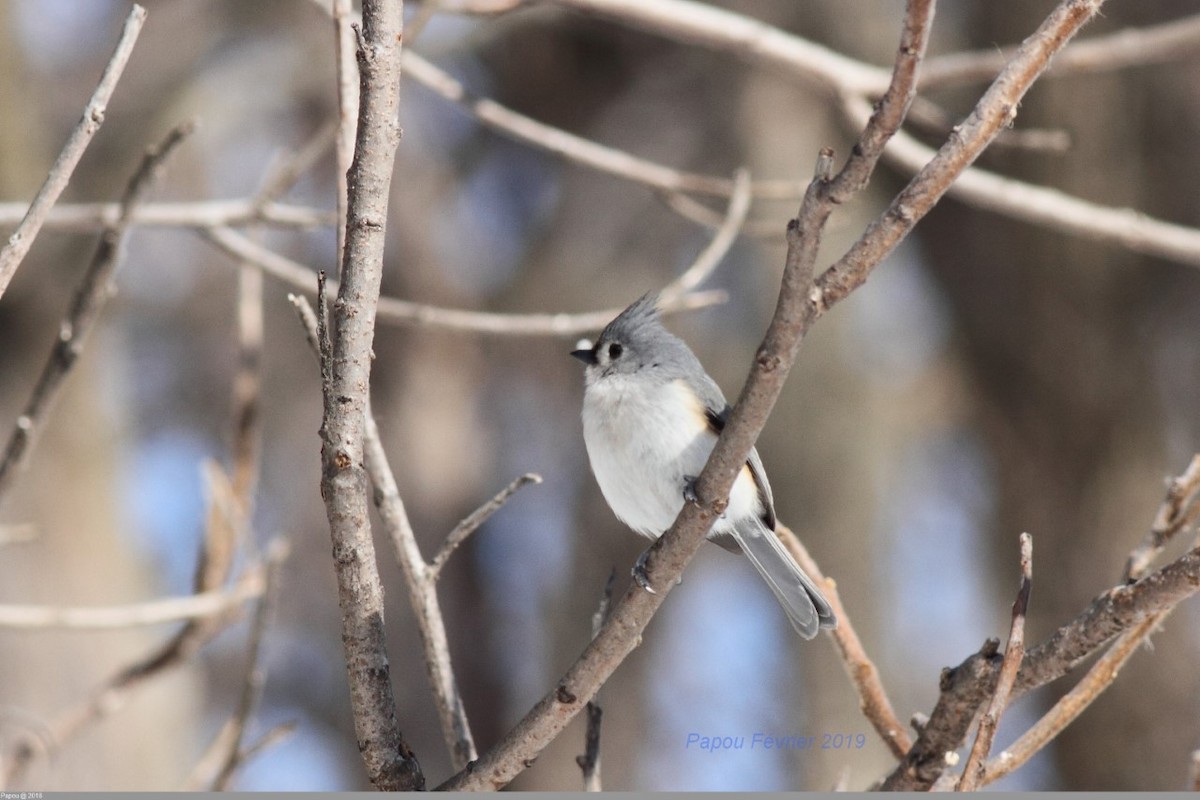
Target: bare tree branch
(92, 292)
(347, 93)
(576, 148)
(747, 38)
(1129, 47)
(390, 763)
(404, 312)
(117, 690)
(973, 773)
(213, 603)
(1178, 512)
(1049, 208)
(81, 136)
(422, 592)
(966, 687)
(256, 671)
(198, 214)
(1072, 704)
(994, 111)
(474, 520)
(419, 577)
(872, 697)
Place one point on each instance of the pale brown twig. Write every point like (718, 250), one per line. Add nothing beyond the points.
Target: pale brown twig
(1128, 47)
(1194, 782)
(256, 671)
(1050, 208)
(422, 593)
(474, 520)
(994, 111)
(212, 603)
(115, 692)
(390, 763)
(1179, 510)
(973, 773)
(420, 578)
(392, 310)
(88, 299)
(872, 696)
(704, 264)
(576, 148)
(198, 214)
(347, 98)
(691, 209)
(21, 240)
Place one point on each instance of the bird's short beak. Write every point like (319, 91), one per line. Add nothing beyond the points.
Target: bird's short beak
(586, 356)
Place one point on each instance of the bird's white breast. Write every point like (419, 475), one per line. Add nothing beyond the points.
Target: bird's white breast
(643, 437)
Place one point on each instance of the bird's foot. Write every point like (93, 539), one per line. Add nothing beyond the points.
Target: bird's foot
(639, 572)
(689, 489)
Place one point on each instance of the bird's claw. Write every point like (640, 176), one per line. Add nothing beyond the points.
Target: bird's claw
(639, 572)
(689, 489)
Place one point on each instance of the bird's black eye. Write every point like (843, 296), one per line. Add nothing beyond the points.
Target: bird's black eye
(615, 350)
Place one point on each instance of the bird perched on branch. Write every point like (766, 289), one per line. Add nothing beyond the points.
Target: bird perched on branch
(651, 417)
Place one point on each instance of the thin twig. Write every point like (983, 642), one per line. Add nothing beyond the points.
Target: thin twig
(474, 520)
(277, 734)
(853, 83)
(693, 210)
(872, 696)
(589, 762)
(973, 772)
(292, 165)
(1128, 47)
(966, 687)
(711, 256)
(422, 593)
(347, 99)
(1178, 512)
(1050, 208)
(1072, 704)
(577, 149)
(89, 298)
(935, 120)
(256, 671)
(60, 174)
(418, 576)
(890, 111)
(213, 603)
(994, 112)
(115, 692)
(749, 39)
(197, 214)
(403, 312)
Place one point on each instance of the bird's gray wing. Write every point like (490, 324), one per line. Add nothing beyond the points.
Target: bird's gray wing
(716, 416)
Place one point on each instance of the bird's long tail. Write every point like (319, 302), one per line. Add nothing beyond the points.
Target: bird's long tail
(806, 607)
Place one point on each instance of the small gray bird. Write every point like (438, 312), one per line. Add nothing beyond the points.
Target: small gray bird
(651, 416)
